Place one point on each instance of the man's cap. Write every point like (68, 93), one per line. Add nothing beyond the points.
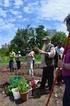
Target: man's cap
(47, 38)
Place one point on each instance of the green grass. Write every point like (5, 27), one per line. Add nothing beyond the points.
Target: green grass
(37, 58)
(5, 59)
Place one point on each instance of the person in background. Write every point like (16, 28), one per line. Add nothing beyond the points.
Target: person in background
(48, 53)
(59, 49)
(11, 60)
(31, 62)
(18, 60)
(65, 65)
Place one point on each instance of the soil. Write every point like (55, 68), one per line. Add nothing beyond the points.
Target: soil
(37, 99)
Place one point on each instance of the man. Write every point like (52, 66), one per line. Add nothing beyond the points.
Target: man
(48, 53)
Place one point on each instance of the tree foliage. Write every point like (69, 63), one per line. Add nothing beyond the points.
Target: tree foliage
(41, 33)
(26, 39)
(58, 37)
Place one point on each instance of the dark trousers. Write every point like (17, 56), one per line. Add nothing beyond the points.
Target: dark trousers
(47, 75)
(18, 64)
(66, 97)
(11, 62)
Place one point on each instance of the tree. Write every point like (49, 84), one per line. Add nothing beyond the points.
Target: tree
(28, 38)
(41, 33)
(58, 37)
(20, 40)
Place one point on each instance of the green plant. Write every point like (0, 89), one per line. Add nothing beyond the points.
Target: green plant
(23, 86)
(8, 89)
(13, 83)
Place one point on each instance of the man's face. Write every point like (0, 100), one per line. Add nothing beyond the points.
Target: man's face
(68, 27)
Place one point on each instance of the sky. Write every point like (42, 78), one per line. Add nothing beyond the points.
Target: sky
(16, 14)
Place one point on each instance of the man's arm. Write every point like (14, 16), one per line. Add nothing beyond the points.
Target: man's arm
(42, 51)
(50, 54)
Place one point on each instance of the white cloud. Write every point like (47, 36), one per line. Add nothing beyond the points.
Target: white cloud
(6, 26)
(20, 16)
(28, 9)
(12, 20)
(3, 13)
(18, 3)
(14, 12)
(31, 7)
(54, 9)
(2, 22)
(9, 26)
(6, 3)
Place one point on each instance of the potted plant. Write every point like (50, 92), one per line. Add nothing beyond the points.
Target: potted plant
(23, 89)
(13, 83)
